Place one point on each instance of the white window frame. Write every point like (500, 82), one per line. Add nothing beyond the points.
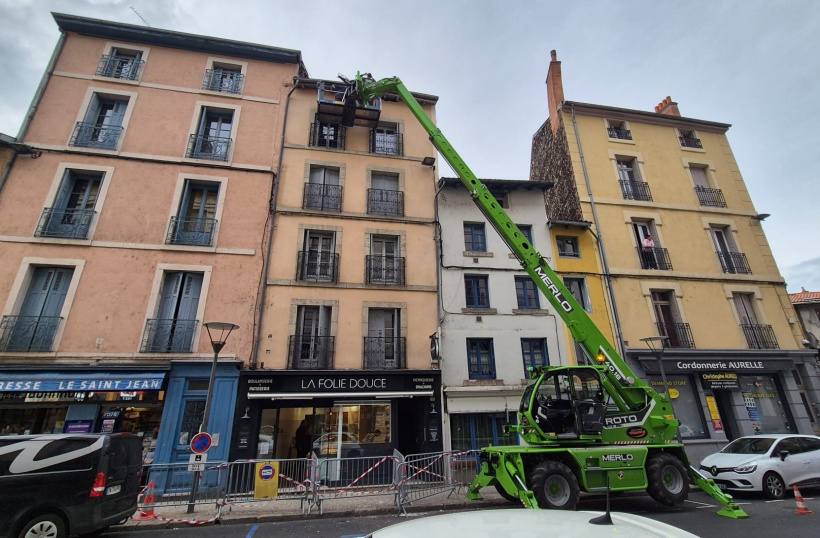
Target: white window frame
(105, 93)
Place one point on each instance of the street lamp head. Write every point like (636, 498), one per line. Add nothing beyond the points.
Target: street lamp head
(218, 332)
(650, 341)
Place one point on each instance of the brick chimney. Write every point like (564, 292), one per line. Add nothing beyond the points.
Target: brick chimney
(667, 106)
(555, 90)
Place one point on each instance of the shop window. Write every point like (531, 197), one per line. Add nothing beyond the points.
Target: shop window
(477, 430)
(766, 407)
(685, 403)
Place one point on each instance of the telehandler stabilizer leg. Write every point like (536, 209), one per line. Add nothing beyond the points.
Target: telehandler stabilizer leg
(730, 508)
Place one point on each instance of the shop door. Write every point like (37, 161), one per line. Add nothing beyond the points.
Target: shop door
(723, 398)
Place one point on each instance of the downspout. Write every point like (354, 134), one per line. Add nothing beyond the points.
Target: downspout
(272, 209)
(600, 239)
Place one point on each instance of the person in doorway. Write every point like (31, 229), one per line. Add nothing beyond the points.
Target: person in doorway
(648, 253)
(303, 440)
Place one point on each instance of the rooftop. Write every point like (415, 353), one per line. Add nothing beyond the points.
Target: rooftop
(805, 297)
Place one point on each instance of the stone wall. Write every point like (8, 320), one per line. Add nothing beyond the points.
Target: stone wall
(550, 161)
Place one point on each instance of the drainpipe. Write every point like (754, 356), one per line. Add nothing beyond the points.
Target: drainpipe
(266, 263)
(600, 239)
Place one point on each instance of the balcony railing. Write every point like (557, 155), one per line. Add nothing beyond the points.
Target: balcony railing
(385, 270)
(654, 258)
(385, 202)
(191, 231)
(387, 143)
(28, 333)
(636, 190)
(623, 134)
(64, 223)
(327, 135)
(678, 334)
(384, 353)
(310, 352)
(169, 336)
(710, 197)
(759, 336)
(122, 67)
(209, 147)
(222, 81)
(322, 197)
(318, 266)
(734, 262)
(93, 135)
(690, 142)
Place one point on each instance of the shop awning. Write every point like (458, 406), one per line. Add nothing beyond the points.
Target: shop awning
(80, 381)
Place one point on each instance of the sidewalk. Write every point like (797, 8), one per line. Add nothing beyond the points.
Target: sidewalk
(289, 510)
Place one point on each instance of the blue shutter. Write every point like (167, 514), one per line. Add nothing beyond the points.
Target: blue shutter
(117, 113)
(36, 326)
(93, 109)
(185, 325)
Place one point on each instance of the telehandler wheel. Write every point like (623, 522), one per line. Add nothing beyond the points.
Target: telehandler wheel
(555, 486)
(668, 480)
(503, 492)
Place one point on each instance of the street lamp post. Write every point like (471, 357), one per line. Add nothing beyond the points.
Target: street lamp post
(658, 353)
(218, 333)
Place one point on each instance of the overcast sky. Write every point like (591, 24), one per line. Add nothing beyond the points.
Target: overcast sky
(753, 64)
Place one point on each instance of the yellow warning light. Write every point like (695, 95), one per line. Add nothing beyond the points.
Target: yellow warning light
(601, 357)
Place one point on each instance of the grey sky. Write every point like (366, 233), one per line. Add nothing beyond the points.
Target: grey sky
(751, 64)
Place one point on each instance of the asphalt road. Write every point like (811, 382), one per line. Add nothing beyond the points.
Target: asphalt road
(697, 515)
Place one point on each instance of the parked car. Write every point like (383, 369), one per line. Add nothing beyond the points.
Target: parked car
(768, 463)
(327, 446)
(64, 485)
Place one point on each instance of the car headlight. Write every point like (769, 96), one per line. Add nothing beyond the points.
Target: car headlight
(746, 468)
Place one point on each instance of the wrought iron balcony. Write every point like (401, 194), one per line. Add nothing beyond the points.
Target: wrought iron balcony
(636, 190)
(94, 135)
(385, 270)
(623, 134)
(384, 353)
(327, 135)
(710, 197)
(64, 223)
(317, 266)
(322, 197)
(209, 147)
(734, 262)
(387, 143)
(122, 67)
(654, 258)
(28, 333)
(385, 202)
(690, 142)
(169, 336)
(310, 352)
(223, 81)
(759, 336)
(678, 334)
(191, 231)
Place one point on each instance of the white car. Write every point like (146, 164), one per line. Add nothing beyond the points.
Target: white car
(769, 463)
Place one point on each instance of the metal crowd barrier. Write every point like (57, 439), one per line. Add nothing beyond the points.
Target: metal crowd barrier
(426, 475)
(356, 477)
(271, 480)
(170, 484)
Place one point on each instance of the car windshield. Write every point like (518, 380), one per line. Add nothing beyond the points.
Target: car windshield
(749, 445)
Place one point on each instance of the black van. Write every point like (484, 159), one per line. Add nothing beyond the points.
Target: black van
(53, 486)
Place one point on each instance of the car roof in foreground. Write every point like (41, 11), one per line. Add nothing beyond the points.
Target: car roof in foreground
(563, 523)
(776, 436)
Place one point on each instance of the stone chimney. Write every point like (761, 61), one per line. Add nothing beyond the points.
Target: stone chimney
(668, 106)
(555, 90)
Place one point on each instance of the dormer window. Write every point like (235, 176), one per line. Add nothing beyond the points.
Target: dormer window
(121, 63)
(689, 139)
(224, 79)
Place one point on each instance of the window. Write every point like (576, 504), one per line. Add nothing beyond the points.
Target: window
(618, 130)
(686, 404)
(764, 401)
(758, 336)
(534, 352)
(102, 125)
(731, 261)
(173, 330)
(36, 324)
(475, 289)
(526, 293)
(475, 239)
(526, 231)
(212, 140)
(195, 223)
(477, 430)
(224, 79)
(632, 186)
(568, 247)
(668, 319)
(689, 139)
(480, 358)
(383, 345)
(386, 139)
(121, 63)
(651, 255)
(311, 348)
(319, 261)
(323, 191)
(385, 265)
(577, 286)
(327, 135)
(707, 196)
(384, 196)
(73, 210)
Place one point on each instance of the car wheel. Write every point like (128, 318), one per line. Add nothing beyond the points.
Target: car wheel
(668, 481)
(773, 486)
(503, 492)
(43, 526)
(555, 486)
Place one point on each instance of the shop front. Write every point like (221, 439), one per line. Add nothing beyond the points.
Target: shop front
(476, 416)
(336, 414)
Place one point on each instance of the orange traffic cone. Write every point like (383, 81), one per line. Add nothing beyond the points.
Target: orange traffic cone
(801, 506)
(146, 513)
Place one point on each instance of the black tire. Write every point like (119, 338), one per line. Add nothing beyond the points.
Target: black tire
(94, 534)
(503, 492)
(773, 486)
(668, 480)
(43, 526)
(555, 486)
